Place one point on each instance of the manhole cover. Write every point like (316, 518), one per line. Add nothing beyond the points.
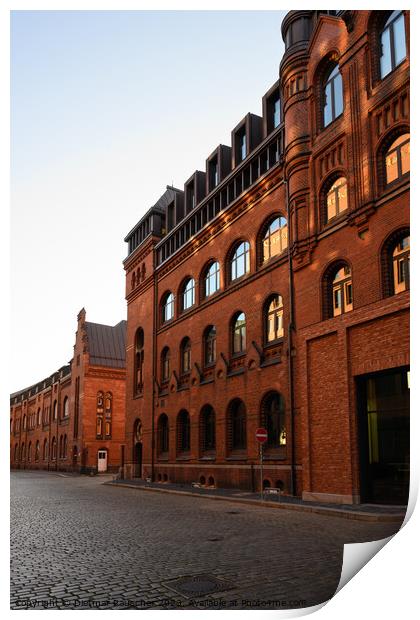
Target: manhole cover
(198, 585)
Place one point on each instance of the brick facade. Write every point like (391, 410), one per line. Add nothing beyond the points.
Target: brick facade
(74, 435)
(315, 366)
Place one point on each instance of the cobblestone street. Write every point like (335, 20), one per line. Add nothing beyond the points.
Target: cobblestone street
(77, 543)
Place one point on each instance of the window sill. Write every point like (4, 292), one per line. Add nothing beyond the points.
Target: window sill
(237, 457)
(183, 457)
(163, 457)
(271, 362)
(235, 373)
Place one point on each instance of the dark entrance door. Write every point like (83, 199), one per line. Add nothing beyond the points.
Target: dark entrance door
(138, 450)
(384, 436)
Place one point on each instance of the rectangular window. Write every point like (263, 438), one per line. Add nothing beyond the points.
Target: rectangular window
(386, 66)
(391, 164)
(405, 158)
(214, 173)
(276, 112)
(337, 301)
(399, 40)
(328, 105)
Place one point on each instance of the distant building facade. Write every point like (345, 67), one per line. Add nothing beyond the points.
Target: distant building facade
(273, 290)
(74, 420)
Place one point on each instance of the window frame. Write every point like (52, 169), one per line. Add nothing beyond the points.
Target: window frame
(208, 277)
(267, 234)
(234, 258)
(185, 352)
(392, 39)
(209, 337)
(168, 301)
(329, 80)
(266, 317)
(187, 291)
(242, 334)
(386, 153)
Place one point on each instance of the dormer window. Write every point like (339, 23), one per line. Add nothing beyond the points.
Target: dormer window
(213, 173)
(273, 111)
(190, 198)
(276, 112)
(241, 146)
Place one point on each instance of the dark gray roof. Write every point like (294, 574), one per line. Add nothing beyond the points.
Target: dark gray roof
(41, 385)
(107, 344)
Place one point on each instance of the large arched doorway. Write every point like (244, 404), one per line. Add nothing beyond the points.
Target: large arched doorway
(137, 449)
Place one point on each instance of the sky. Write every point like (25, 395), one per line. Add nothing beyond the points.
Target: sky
(107, 108)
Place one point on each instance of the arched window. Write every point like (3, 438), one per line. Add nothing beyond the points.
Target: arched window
(66, 407)
(22, 452)
(239, 263)
(392, 43)
(210, 346)
(207, 429)
(38, 417)
(274, 319)
(168, 307)
(212, 279)
(237, 425)
(333, 96)
(45, 450)
(53, 449)
(55, 410)
(274, 241)
(100, 402)
(139, 362)
(239, 333)
(401, 265)
(397, 159)
(163, 434)
(37, 451)
(395, 260)
(185, 356)
(183, 431)
(108, 404)
(30, 451)
(273, 419)
(336, 198)
(24, 422)
(99, 427)
(165, 364)
(60, 447)
(65, 447)
(338, 290)
(187, 294)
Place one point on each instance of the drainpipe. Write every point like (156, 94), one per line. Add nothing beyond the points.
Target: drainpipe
(290, 331)
(58, 415)
(154, 339)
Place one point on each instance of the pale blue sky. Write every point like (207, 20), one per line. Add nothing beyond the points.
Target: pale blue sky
(108, 107)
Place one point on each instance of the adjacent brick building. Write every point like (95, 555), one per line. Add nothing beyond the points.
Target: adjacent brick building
(74, 420)
(272, 290)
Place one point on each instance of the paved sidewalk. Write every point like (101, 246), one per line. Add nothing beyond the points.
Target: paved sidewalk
(363, 512)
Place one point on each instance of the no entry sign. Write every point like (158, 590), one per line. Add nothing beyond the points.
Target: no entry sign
(261, 435)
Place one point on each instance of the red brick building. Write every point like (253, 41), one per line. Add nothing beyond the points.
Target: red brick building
(273, 290)
(74, 420)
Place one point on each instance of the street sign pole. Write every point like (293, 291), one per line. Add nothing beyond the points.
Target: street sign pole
(261, 436)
